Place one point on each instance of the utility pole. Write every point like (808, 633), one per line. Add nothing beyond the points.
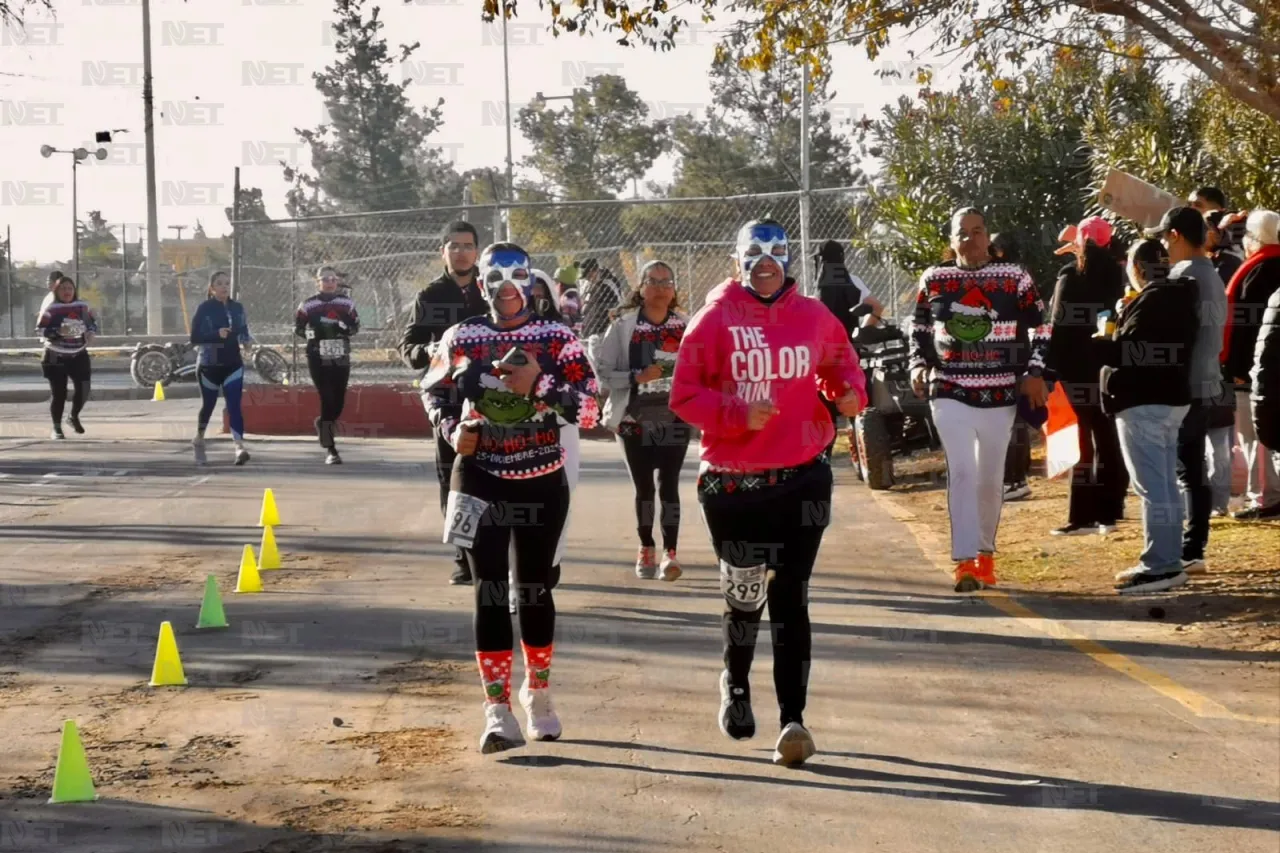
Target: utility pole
(506, 86)
(179, 229)
(808, 287)
(155, 308)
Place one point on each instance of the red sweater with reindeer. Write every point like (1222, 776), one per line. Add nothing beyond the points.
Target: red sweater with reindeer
(980, 330)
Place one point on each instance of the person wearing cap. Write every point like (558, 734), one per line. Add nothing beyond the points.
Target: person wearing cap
(602, 294)
(978, 342)
(568, 300)
(1084, 299)
(1149, 398)
(448, 300)
(1248, 293)
(1184, 233)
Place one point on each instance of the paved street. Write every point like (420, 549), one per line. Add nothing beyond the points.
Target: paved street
(341, 711)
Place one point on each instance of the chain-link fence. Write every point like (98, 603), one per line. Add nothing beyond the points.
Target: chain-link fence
(388, 257)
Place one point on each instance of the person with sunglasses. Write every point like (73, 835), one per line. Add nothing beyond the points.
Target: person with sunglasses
(637, 357)
(748, 374)
(497, 389)
(327, 320)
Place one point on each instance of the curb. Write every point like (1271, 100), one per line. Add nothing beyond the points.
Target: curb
(171, 392)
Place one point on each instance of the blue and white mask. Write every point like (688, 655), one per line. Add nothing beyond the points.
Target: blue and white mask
(758, 240)
(502, 265)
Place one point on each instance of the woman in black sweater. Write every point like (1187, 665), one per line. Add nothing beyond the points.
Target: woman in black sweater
(1092, 284)
(1145, 380)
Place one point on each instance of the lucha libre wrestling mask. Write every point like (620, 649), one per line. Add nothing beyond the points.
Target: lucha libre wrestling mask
(502, 263)
(757, 240)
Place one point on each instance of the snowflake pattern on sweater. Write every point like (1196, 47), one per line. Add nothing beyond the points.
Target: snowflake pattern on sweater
(979, 329)
(519, 435)
(63, 326)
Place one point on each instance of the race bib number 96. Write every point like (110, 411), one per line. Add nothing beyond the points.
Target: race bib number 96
(745, 588)
(462, 519)
(72, 328)
(332, 348)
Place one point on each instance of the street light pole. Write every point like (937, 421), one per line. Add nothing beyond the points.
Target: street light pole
(77, 154)
(506, 86)
(155, 310)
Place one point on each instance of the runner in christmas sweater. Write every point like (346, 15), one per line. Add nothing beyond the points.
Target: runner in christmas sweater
(978, 341)
(748, 374)
(67, 326)
(327, 321)
(496, 389)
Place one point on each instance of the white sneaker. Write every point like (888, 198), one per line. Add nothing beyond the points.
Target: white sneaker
(669, 570)
(242, 455)
(1016, 491)
(1130, 572)
(501, 731)
(794, 747)
(541, 713)
(197, 445)
(1106, 529)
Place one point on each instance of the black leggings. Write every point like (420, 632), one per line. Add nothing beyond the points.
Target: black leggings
(331, 383)
(532, 511)
(57, 370)
(779, 527)
(660, 450)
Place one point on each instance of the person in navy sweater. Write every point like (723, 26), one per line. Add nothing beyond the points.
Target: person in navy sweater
(218, 329)
(67, 326)
(327, 320)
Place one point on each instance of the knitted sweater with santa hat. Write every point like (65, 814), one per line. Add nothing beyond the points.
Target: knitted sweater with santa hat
(980, 330)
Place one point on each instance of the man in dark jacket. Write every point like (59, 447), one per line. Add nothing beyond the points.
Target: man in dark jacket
(1265, 377)
(453, 297)
(1248, 295)
(843, 293)
(601, 293)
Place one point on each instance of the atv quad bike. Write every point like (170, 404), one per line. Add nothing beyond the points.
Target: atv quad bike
(896, 422)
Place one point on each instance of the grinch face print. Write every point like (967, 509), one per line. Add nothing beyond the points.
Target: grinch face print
(971, 317)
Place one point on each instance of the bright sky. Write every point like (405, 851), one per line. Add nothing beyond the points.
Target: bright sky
(233, 80)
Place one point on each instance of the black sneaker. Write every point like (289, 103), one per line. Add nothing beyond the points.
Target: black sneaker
(1256, 513)
(57, 434)
(74, 420)
(333, 458)
(736, 719)
(242, 456)
(1075, 530)
(461, 576)
(1152, 581)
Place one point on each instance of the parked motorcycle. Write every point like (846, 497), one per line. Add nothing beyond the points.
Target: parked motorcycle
(165, 364)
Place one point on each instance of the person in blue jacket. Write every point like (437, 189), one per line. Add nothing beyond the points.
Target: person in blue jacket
(218, 330)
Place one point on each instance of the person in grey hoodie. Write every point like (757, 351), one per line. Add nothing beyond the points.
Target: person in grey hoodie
(1185, 233)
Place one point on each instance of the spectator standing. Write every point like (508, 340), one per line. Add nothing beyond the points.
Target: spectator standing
(1183, 231)
(1248, 295)
(1017, 460)
(1084, 298)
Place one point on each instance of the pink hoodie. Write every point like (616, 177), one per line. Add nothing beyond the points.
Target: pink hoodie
(737, 350)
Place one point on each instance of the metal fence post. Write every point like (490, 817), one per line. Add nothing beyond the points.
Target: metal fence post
(293, 287)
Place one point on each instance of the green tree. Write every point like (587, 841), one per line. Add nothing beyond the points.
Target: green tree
(597, 145)
(371, 153)
(98, 245)
(1233, 43)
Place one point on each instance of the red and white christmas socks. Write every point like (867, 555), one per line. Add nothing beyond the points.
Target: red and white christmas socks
(495, 675)
(537, 663)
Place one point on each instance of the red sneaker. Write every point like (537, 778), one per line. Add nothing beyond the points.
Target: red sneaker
(987, 569)
(967, 576)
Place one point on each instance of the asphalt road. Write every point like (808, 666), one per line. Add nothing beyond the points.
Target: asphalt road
(341, 710)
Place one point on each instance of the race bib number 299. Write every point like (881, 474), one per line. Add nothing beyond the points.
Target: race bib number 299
(462, 517)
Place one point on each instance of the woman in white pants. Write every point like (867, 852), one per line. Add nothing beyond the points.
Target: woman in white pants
(546, 305)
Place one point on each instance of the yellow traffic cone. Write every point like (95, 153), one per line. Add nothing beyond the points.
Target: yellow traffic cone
(248, 580)
(72, 782)
(158, 396)
(268, 553)
(167, 670)
(270, 516)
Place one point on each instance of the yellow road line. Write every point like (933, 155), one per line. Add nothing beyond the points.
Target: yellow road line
(933, 544)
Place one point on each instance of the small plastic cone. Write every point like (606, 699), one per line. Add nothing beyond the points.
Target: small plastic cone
(72, 782)
(158, 396)
(211, 613)
(167, 671)
(268, 553)
(270, 516)
(248, 580)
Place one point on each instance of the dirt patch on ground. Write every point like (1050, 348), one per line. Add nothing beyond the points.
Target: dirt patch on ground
(411, 816)
(345, 816)
(423, 676)
(1236, 605)
(408, 748)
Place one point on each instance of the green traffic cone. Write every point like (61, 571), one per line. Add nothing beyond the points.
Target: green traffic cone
(72, 782)
(211, 612)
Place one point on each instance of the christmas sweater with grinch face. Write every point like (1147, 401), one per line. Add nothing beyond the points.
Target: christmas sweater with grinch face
(980, 330)
(519, 435)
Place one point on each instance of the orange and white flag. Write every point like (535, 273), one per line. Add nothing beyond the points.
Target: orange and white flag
(1062, 435)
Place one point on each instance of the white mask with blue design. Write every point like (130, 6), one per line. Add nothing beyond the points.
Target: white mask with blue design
(758, 240)
(499, 266)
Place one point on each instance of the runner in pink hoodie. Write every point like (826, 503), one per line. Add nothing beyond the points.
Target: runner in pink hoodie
(746, 375)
